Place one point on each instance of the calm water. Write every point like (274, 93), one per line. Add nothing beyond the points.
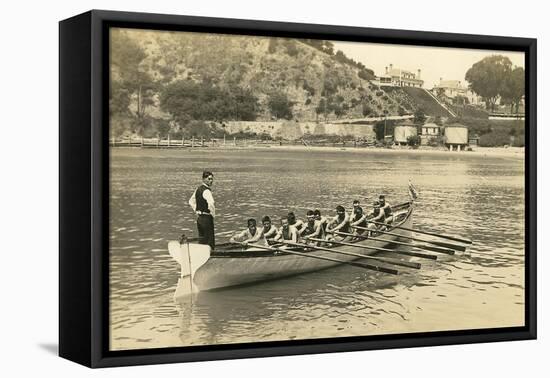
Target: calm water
(477, 197)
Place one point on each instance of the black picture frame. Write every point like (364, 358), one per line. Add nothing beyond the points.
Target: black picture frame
(84, 187)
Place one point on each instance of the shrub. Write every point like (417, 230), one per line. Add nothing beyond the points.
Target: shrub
(413, 141)
(280, 106)
(401, 111)
(436, 141)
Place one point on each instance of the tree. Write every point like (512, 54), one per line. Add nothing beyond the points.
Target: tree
(132, 87)
(514, 88)
(321, 108)
(280, 106)
(487, 77)
(419, 116)
(186, 100)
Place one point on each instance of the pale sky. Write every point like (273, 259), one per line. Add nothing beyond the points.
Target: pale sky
(435, 62)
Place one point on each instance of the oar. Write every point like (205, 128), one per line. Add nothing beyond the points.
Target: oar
(408, 264)
(441, 244)
(453, 238)
(426, 247)
(353, 263)
(407, 253)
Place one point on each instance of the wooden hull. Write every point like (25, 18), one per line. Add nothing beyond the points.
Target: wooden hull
(224, 270)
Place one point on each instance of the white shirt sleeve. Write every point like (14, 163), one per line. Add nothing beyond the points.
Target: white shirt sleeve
(193, 201)
(207, 195)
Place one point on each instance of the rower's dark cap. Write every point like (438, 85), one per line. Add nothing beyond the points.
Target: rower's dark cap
(340, 208)
(317, 212)
(266, 219)
(310, 213)
(356, 202)
(381, 196)
(376, 203)
(205, 174)
(251, 222)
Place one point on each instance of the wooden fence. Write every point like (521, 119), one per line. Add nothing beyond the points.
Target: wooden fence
(233, 142)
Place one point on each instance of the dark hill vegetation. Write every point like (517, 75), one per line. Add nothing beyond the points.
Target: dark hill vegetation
(161, 81)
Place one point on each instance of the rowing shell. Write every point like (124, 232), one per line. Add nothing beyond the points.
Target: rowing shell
(227, 266)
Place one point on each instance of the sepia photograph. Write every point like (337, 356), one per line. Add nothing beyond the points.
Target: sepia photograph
(269, 189)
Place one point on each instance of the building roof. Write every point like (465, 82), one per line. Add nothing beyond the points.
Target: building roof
(450, 84)
(456, 124)
(406, 122)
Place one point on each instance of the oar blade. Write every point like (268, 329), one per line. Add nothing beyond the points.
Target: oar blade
(436, 249)
(415, 254)
(377, 268)
(457, 247)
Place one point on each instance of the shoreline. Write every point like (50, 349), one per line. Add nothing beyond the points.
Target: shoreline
(502, 152)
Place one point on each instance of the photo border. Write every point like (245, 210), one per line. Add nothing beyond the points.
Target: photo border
(84, 252)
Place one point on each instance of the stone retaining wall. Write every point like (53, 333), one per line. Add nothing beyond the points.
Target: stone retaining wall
(295, 130)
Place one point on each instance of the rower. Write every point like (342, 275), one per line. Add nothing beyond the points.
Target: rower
(269, 231)
(322, 221)
(377, 215)
(250, 235)
(386, 209)
(287, 233)
(312, 228)
(296, 223)
(359, 219)
(340, 223)
(356, 204)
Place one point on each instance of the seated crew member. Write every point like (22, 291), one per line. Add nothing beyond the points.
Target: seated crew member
(356, 204)
(359, 219)
(250, 235)
(269, 231)
(340, 223)
(322, 221)
(312, 228)
(296, 223)
(287, 233)
(386, 209)
(377, 216)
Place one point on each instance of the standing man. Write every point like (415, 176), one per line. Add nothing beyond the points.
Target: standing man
(202, 203)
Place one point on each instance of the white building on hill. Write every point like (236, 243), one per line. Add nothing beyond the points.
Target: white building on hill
(397, 77)
(453, 89)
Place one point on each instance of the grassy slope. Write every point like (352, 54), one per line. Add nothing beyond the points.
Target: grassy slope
(426, 102)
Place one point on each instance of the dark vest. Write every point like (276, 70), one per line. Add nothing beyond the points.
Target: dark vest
(202, 205)
(376, 212)
(309, 229)
(356, 218)
(387, 210)
(286, 234)
(346, 227)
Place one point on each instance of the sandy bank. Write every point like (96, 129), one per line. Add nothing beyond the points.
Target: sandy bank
(505, 152)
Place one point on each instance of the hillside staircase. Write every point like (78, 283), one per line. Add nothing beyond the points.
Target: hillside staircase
(442, 104)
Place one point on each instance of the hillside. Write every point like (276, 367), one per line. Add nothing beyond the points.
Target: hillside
(314, 83)
(424, 101)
